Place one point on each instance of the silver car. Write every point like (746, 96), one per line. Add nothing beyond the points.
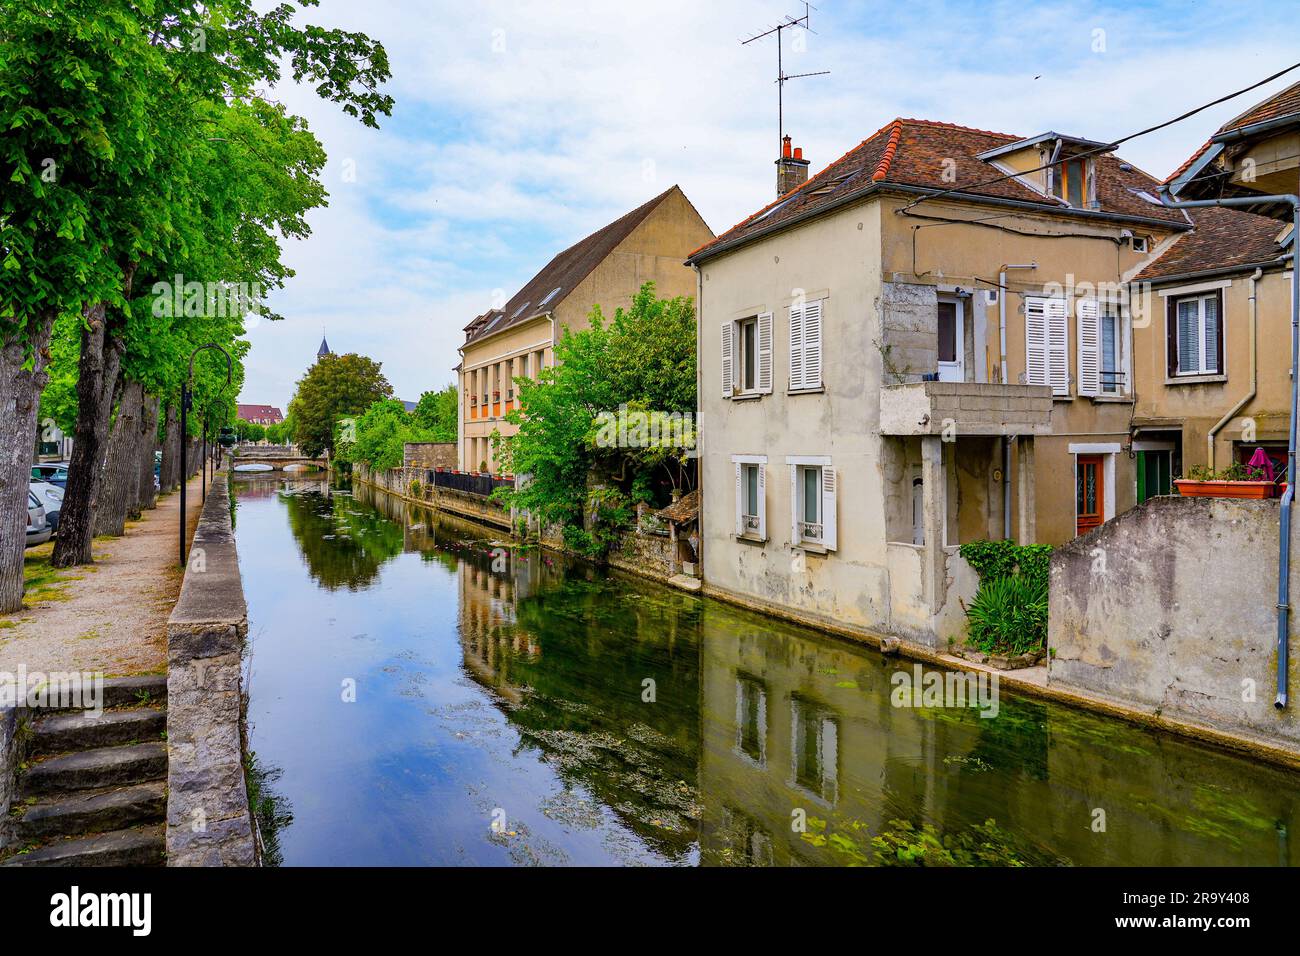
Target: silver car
(38, 529)
(51, 499)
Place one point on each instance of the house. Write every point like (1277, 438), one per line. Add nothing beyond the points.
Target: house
(921, 346)
(607, 268)
(259, 414)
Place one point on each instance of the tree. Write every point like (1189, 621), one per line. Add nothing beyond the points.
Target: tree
(379, 436)
(436, 413)
(610, 424)
(337, 386)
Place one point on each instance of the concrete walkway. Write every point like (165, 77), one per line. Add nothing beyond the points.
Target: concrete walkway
(108, 617)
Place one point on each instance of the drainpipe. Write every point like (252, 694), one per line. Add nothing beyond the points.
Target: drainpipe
(1002, 339)
(1288, 497)
(1254, 370)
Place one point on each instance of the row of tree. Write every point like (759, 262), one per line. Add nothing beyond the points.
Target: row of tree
(148, 185)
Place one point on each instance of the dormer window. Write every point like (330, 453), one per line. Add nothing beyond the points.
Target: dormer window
(1074, 180)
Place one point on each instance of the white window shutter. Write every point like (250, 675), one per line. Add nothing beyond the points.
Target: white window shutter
(794, 506)
(812, 345)
(1058, 346)
(765, 353)
(728, 361)
(740, 499)
(1089, 321)
(762, 501)
(1036, 341)
(796, 348)
(828, 507)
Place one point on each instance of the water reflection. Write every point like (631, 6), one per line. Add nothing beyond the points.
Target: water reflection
(598, 719)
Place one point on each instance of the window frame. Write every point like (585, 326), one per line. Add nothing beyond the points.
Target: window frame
(1173, 338)
(745, 529)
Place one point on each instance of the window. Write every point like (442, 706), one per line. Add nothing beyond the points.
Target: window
(751, 492)
(812, 503)
(1072, 180)
(1101, 348)
(1140, 243)
(1047, 353)
(751, 718)
(814, 751)
(747, 356)
(806, 346)
(1194, 334)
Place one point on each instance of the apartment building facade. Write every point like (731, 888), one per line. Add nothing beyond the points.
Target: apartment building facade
(606, 268)
(924, 345)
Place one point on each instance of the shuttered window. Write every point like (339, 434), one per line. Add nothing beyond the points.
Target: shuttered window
(747, 356)
(1088, 320)
(806, 346)
(1047, 351)
(1195, 334)
(813, 511)
(751, 496)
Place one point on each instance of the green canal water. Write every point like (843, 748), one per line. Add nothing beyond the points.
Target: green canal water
(421, 694)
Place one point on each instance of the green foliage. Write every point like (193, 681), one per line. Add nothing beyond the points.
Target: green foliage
(983, 844)
(642, 360)
(336, 387)
(249, 431)
(377, 436)
(1237, 471)
(1009, 612)
(436, 414)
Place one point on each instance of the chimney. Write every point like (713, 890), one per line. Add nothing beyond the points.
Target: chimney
(791, 169)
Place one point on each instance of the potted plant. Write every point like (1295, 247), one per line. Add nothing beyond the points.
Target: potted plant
(1235, 481)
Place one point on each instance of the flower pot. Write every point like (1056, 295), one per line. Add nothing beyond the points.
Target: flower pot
(1224, 489)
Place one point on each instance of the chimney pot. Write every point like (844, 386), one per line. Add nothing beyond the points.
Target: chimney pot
(798, 152)
(785, 146)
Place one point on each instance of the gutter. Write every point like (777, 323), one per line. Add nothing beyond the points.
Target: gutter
(885, 187)
(1263, 126)
(1288, 496)
(1254, 369)
(1006, 442)
(1277, 262)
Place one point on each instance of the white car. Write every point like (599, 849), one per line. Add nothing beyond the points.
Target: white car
(38, 529)
(51, 499)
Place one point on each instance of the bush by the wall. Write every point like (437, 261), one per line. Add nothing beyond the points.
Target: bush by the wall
(1009, 612)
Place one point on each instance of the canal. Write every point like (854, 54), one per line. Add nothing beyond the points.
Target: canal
(421, 694)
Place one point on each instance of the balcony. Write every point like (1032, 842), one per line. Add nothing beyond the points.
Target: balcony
(971, 408)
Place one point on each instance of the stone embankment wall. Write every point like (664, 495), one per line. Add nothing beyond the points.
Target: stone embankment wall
(208, 820)
(11, 756)
(413, 484)
(429, 454)
(1170, 609)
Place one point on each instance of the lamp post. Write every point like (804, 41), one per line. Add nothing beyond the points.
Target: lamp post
(187, 399)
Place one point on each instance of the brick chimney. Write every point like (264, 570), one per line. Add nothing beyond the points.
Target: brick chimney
(791, 168)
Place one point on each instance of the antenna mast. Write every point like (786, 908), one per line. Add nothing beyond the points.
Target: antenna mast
(803, 23)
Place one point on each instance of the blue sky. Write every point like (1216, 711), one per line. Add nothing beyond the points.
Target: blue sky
(521, 127)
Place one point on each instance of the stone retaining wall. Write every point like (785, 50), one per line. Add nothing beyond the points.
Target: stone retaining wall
(10, 757)
(208, 820)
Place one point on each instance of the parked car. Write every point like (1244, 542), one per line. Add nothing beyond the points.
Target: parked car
(38, 529)
(56, 473)
(51, 498)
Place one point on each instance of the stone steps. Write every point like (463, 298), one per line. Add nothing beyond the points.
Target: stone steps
(57, 733)
(91, 811)
(140, 846)
(100, 767)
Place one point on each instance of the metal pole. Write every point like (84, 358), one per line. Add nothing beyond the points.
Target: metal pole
(203, 482)
(185, 401)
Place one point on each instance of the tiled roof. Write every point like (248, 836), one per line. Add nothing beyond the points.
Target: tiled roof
(1222, 238)
(561, 275)
(685, 508)
(249, 413)
(941, 156)
(1278, 105)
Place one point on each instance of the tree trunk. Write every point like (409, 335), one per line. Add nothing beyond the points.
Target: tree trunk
(21, 391)
(147, 495)
(121, 468)
(101, 360)
(171, 463)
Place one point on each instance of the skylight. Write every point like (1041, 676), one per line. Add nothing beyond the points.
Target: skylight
(519, 310)
(549, 296)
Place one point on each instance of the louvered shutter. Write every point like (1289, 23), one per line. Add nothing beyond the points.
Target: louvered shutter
(1036, 341)
(812, 345)
(1058, 346)
(740, 499)
(794, 506)
(796, 348)
(728, 361)
(1089, 322)
(762, 500)
(765, 353)
(828, 508)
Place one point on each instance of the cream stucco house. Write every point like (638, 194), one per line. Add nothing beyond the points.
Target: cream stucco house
(606, 269)
(923, 345)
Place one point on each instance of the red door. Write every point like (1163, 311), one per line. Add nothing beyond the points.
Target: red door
(1089, 493)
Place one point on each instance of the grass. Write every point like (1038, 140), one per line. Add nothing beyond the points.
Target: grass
(41, 581)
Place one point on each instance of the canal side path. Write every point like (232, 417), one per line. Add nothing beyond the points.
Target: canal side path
(110, 616)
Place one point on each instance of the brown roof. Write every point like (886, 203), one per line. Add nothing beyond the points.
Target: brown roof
(1278, 105)
(686, 508)
(941, 156)
(1222, 238)
(249, 413)
(544, 291)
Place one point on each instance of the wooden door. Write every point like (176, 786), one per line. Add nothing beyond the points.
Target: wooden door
(1089, 493)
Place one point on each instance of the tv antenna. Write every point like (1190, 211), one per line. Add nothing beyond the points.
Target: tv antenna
(802, 23)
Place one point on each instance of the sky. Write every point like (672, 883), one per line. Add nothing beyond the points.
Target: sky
(521, 127)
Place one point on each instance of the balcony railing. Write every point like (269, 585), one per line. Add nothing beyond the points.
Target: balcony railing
(750, 523)
(810, 530)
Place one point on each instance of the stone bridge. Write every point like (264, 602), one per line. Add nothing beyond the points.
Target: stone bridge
(278, 457)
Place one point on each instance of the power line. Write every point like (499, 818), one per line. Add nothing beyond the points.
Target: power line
(1109, 147)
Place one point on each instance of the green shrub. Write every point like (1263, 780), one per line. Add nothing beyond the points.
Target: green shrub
(1009, 612)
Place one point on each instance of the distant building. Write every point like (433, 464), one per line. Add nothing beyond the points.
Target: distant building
(259, 414)
(324, 349)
